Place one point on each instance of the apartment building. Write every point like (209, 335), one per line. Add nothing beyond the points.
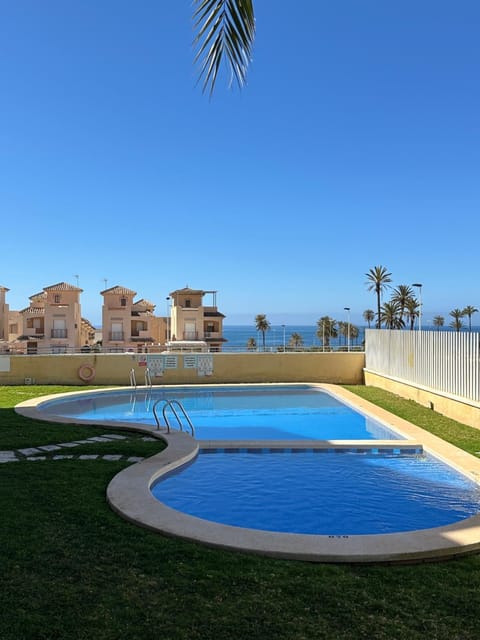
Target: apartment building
(193, 321)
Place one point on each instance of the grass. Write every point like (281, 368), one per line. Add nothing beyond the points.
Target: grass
(72, 569)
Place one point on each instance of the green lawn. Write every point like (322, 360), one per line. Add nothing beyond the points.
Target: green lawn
(71, 568)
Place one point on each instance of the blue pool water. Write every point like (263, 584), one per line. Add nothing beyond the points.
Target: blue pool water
(234, 413)
(321, 493)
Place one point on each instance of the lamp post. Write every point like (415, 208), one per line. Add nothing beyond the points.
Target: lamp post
(347, 309)
(168, 316)
(283, 327)
(419, 287)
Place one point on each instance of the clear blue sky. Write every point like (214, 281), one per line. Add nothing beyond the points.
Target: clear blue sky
(355, 143)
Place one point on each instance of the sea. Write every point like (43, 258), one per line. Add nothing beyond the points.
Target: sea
(239, 335)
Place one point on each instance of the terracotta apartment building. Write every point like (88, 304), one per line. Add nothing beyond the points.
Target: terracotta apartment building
(52, 323)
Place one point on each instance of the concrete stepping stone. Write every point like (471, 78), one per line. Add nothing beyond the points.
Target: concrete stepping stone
(134, 459)
(112, 457)
(35, 458)
(62, 457)
(114, 436)
(68, 444)
(50, 447)
(8, 456)
(88, 457)
(29, 452)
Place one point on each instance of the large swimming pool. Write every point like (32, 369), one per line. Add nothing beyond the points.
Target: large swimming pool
(297, 471)
(255, 412)
(321, 492)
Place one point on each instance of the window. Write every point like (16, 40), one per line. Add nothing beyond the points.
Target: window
(13, 328)
(188, 303)
(123, 302)
(57, 298)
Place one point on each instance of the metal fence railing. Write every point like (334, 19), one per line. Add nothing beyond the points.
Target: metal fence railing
(444, 361)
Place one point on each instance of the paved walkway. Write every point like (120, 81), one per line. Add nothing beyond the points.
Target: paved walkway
(59, 451)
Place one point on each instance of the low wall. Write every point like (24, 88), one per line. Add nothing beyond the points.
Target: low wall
(456, 408)
(114, 369)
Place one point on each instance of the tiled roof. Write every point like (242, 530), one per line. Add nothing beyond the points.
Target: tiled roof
(38, 296)
(37, 311)
(146, 304)
(62, 286)
(123, 291)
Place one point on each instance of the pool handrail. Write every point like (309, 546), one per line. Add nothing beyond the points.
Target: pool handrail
(171, 404)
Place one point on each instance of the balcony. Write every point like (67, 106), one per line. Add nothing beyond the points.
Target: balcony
(116, 336)
(59, 333)
(190, 335)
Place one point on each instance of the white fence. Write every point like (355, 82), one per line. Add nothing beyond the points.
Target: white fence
(443, 361)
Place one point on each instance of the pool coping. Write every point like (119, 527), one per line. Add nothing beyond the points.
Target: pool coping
(129, 495)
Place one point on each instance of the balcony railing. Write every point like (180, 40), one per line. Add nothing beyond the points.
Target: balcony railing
(118, 336)
(190, 335)
(59, 333)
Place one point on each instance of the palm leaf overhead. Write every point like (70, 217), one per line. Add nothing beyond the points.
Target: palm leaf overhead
(225, 32)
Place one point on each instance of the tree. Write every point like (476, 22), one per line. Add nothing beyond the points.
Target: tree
(457, 315)
(412, 311)
(251, 344)
(401, 295)
(326, 329)
(391, 315)
(263, 325)
(469, 311)
(378, 279)
(296, 341)
(369, 316)
(225, 31)
(438, 322)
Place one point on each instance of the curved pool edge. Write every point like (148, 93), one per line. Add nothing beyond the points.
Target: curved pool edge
(129, 495)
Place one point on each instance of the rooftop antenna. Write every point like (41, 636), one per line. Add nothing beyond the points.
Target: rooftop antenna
(76, 276)
(105, 281)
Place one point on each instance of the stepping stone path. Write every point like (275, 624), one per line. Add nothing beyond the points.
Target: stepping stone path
(38, 453)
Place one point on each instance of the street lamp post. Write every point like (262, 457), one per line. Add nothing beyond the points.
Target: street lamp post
(347, 309)
(419, 287)
(168, 317)
(283, 327)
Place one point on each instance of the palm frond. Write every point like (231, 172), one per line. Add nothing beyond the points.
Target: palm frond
(225, 33)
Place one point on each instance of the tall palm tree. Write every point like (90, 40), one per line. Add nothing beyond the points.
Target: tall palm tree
(438, 322)
(401, 295)
(326, 329)
(412, 311)
(378, 279)
(369, 316)
(457, 315)
(225, 31)
(391, 315)
(469, 311)
(263, 325)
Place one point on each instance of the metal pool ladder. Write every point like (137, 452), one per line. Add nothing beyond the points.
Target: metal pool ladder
(171, 404)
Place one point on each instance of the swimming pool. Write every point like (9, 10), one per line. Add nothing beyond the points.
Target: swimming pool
(321, 492)
(130, 492)
(255, 412)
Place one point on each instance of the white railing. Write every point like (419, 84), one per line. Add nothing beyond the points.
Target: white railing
(444, 361)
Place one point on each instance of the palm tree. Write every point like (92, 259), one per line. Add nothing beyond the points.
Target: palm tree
(263, 325)
(457, 315)
(251, 344)
(469, 311)
(412, 311)
(369, 316)
(326, 329)
(401, 295)
(438, 322)
(378, 279)
(296, 341)
(391, 315)
(225, 31)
